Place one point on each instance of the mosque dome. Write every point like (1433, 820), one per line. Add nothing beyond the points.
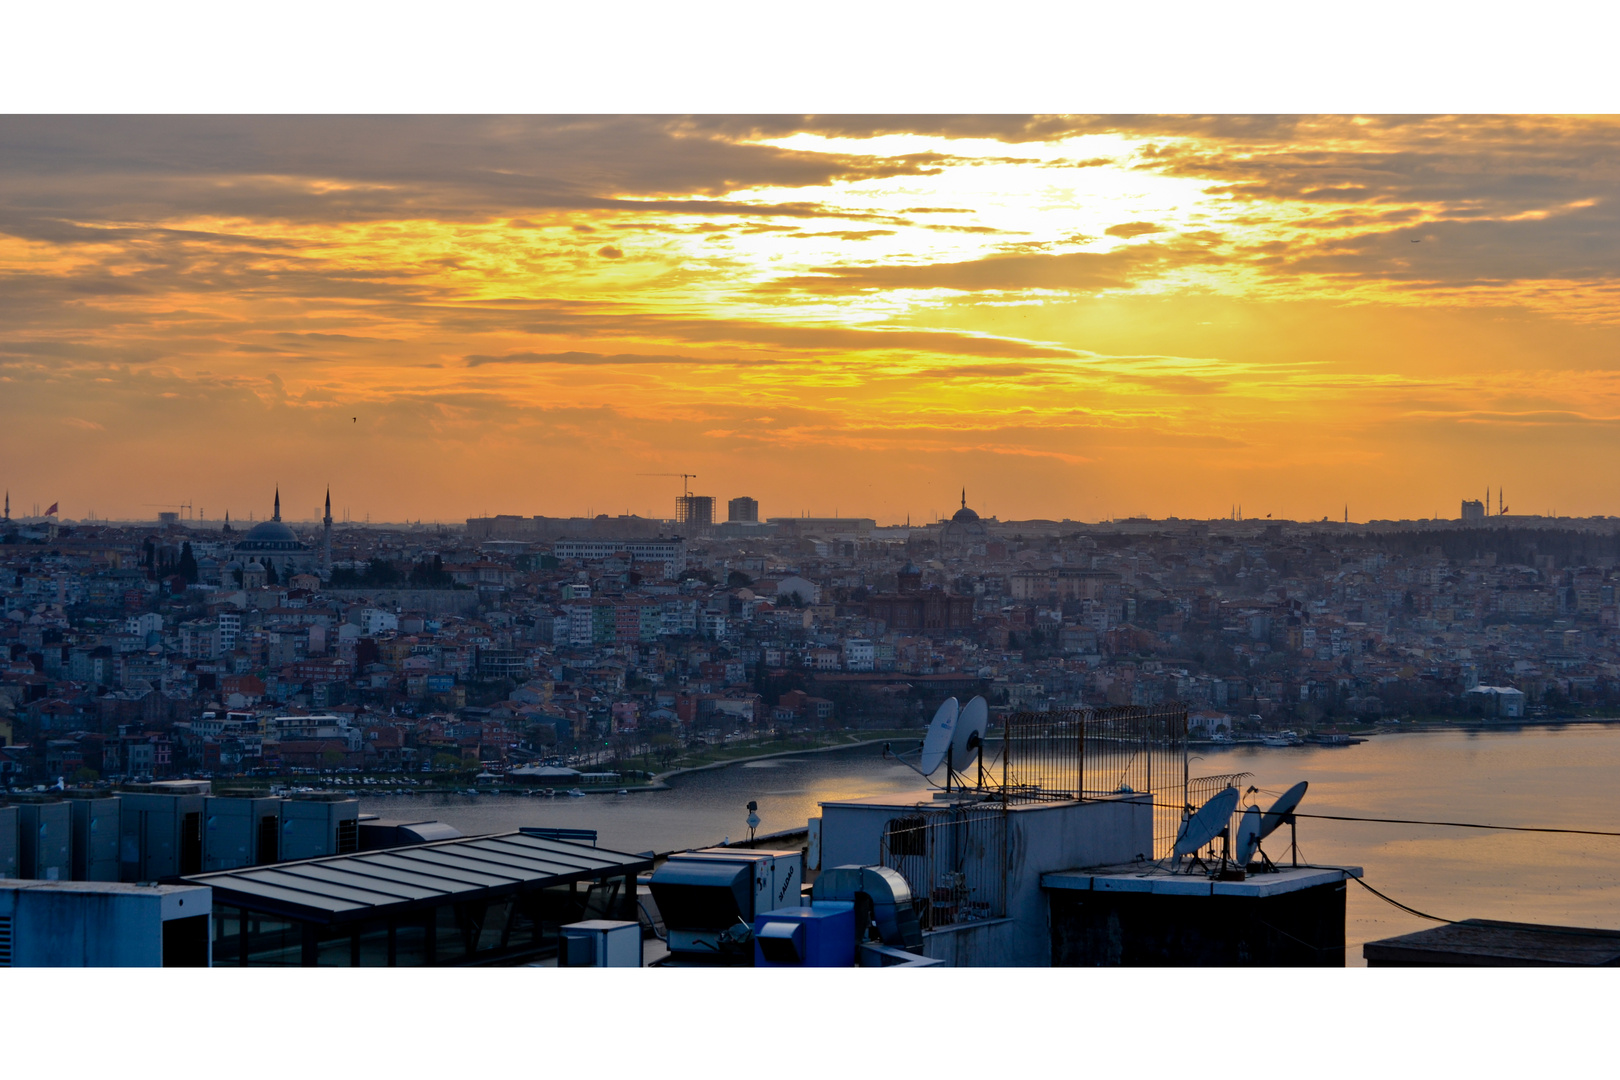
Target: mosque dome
(965, 532)
(270, 532)
(270, 536)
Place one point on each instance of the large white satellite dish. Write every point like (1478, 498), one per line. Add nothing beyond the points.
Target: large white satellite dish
(1248, 836)
(1282, 808)
(971, 723)
(938, 739)
(1207, 823)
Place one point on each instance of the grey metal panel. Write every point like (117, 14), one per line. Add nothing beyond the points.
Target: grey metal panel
(96, 824)
(151, 823)
(313, 880)
(231, 831)
(45, 841)
(342, 885)
(575, 860)
(314, 886)
(592, 856)
(522, 864)
(324, 877)
(493, 871)
(455, 869)
(9, 860)
(451, 876)
(390, 877)
(427, 832)
(239, 888)
(309, 827)
(391, 886)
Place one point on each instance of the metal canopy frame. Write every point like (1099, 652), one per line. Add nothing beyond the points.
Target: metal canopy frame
(377, 884)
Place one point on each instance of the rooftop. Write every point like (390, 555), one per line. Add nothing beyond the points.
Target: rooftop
(1488, 943)
(375, 883)
(1152, 878)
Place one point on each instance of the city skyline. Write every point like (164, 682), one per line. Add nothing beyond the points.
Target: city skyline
(1092, 317)
(188, 513)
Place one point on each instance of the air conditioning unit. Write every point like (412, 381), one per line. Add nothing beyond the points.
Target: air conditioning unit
(600, 943)
(708, 898)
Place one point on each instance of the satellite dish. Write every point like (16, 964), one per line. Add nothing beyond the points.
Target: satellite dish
(1248, 836)
(1207, 823)
(938, 739)
(970, 727)
(1282, 808)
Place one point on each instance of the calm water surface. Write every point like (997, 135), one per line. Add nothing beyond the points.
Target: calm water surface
(1561, 777)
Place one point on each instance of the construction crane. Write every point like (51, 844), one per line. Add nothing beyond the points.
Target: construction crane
(686, 488)
(184, 508)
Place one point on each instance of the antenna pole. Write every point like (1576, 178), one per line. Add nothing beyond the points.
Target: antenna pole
(950, 765)
(1006, 752)
(1293, 837)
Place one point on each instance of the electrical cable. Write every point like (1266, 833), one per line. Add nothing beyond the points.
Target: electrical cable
(1409, 910)
(1460, 825)
(1447, 824)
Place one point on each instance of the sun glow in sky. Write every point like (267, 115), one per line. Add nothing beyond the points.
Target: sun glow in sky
(1072, 317)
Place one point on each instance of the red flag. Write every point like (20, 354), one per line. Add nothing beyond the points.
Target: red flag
(51, 511)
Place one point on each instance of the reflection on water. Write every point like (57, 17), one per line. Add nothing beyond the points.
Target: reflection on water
(1559, 777)
(699, 808)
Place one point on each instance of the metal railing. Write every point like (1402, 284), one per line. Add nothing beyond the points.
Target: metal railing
(1089, 753)
(1201, 789)
(955, 861)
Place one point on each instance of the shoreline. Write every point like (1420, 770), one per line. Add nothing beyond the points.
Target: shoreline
(660, 778)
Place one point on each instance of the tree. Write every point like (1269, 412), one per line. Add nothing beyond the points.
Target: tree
(188, 564)
(665, 747)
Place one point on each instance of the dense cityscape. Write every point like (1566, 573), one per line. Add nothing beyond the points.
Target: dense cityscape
(140, 650)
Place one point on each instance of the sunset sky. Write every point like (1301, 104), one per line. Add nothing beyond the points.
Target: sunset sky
(1076, 317)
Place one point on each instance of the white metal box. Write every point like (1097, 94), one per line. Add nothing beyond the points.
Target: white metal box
(600, 943)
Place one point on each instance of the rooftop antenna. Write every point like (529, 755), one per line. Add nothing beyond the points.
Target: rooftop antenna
(1205, 824)
(1283, 811)
(971, 723)
(1248, 837)
(936, 744)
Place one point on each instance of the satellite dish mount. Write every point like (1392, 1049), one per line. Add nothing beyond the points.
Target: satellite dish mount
(1282, 812)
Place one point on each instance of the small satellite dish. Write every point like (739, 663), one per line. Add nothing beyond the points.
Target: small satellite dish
(1207, 823)
(1248, 836)
(970, 727)
(1282, 808)
(938, 739)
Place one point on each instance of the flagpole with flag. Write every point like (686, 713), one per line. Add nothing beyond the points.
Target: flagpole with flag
(52, 509)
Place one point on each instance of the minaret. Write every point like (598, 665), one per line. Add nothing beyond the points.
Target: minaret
(278, 504)
(326, 536)
(227, 522)
(964, 498)
(8, 506)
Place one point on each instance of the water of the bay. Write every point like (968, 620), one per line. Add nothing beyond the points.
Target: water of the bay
(1560, 777)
